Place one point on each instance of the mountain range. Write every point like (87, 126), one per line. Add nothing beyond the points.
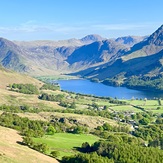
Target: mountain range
(91, 57)
(144, 58)
(45, 57)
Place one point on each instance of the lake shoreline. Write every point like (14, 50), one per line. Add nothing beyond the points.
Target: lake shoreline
(85, 86)
(139, 88)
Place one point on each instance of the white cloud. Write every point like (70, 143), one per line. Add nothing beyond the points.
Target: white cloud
(32, 26)
(119, 26)
(32, 29)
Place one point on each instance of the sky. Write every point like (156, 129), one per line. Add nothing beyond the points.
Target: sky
(65, 19)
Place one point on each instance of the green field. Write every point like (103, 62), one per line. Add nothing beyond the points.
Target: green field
(55, 77)
(123, 108)
(143, 102)
(66, 143)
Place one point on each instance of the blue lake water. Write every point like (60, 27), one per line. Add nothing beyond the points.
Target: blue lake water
(99, 89)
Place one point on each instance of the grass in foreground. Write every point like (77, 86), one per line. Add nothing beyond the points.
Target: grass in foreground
(12, 152)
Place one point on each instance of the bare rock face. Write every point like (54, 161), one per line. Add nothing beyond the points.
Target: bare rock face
(157, 37)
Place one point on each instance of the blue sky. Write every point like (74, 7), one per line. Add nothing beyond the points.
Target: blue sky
(65, 19)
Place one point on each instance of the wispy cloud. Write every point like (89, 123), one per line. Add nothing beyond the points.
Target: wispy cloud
(31, 28)
(119, 26)
(34, 29)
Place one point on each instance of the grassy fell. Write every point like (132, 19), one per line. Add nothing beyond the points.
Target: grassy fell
(12, 152)
(10, 77)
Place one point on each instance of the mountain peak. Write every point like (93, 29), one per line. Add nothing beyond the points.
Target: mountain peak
(4, 43)
(157, 37)
(130, 40)
(92, 38)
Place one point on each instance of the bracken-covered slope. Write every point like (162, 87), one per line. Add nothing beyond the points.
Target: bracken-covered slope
(12, 152)
(9, 77)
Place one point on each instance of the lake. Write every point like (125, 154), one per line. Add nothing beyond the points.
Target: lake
(87, 87)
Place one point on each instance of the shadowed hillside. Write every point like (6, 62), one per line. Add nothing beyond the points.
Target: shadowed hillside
(144, 58)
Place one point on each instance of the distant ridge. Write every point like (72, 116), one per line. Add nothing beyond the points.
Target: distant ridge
(143, 59)
(92, 38)
(130, 40)
(94, 55)
(54, 57)
(11, 56)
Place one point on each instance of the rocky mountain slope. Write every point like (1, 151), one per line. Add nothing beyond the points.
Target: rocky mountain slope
(11, 56)
(130, 40)
(144, 58)
(95, 54)
(91, 56)
(51, 57)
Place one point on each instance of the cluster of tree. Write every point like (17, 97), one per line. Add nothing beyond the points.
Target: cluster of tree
(118, 102)
(23, 108)
(88, 96)
(49, 86)
(66, 104)
(41, 147)
(54, 154)
(24, 88)
(156, 143)
(78, 129)
(19, 109)
(117, 138)
(12, 108)
(119, 150)
(86, 158)
(144, 121)
(97, 98)
(102, 113)
(68, 125)
(145, 83)
(95, 105)
(118, 128)
(106, 134)
(37, 128)
(136, 82)
(33, 128)
(58, 98)
(149, 132)
(112, 81)
(159, 121)
(51, 97)
(142, 118)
